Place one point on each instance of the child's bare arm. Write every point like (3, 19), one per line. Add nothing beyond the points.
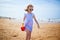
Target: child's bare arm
(24, 18)
(36, 21)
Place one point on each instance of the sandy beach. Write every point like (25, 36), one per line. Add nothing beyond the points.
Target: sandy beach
(10, 30)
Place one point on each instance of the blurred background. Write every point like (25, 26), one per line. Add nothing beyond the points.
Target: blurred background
(47, 13)
(45, 10)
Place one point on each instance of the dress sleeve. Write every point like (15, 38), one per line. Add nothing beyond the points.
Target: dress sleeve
(33, 14)
(25, 14)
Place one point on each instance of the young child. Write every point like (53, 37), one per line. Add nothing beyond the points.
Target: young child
(28, 21)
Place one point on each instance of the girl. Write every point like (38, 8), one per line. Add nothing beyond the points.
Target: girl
(28, 21)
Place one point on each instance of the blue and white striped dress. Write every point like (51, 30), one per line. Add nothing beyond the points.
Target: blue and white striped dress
(29, 21)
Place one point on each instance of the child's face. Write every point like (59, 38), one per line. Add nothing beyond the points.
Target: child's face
(30, 9)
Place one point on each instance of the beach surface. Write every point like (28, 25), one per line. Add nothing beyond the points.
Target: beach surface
(10, 30)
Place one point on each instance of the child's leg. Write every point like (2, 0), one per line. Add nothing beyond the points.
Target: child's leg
(28, 34)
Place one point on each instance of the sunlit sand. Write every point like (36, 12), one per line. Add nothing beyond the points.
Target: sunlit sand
(10, 30)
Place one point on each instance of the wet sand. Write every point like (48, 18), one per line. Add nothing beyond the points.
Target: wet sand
(10, 30)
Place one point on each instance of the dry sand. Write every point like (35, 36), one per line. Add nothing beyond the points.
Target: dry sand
(10, 30)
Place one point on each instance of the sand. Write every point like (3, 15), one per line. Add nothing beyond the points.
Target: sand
(10, 30)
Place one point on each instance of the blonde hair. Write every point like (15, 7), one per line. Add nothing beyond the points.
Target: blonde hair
(28, 7)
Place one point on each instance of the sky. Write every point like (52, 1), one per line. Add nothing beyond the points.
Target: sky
(43, 9)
